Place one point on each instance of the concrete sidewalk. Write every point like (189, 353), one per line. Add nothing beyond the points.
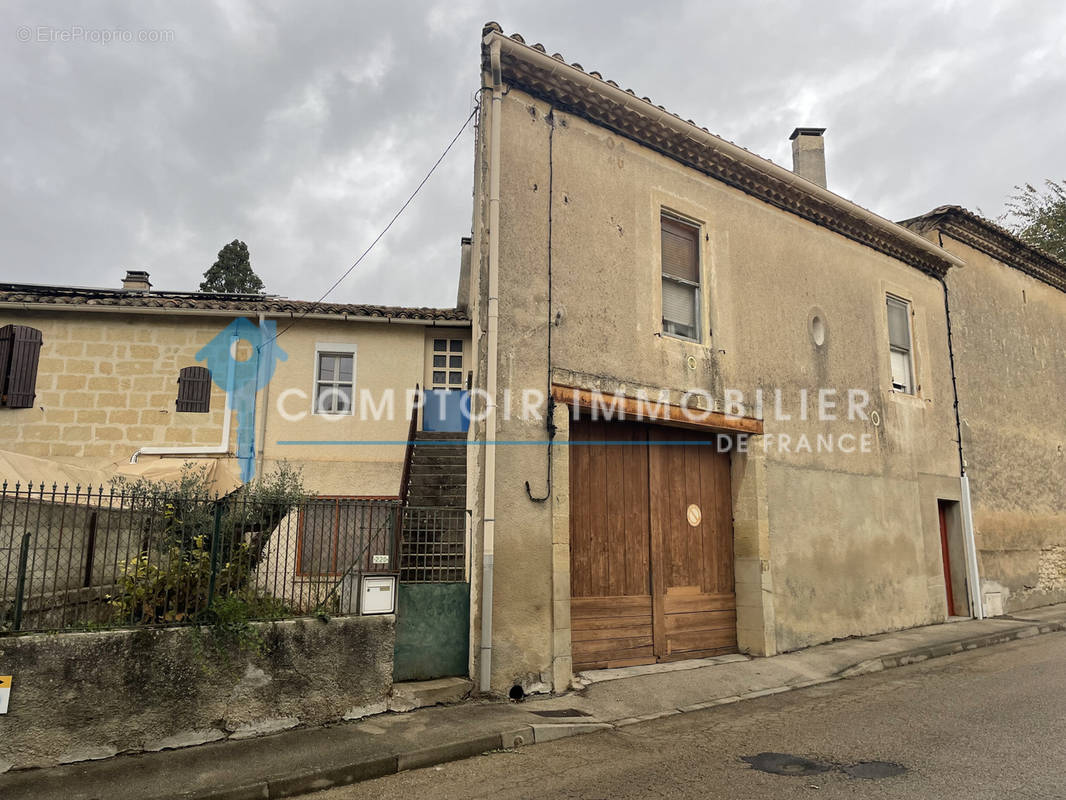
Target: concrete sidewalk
(299, 761)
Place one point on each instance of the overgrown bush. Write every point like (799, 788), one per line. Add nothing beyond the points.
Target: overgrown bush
(200, 552)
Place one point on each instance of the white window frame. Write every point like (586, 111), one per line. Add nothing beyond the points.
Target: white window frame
(336, 349)
(912, 387)
(697, 287)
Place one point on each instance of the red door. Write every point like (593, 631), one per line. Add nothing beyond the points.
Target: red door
(942, 509)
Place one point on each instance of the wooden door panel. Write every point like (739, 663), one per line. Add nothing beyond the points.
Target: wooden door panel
(610, 587)
(679, 603)
(637, 523)
(645, 583)
(697, 609)
(591, 633)
(607, 631)
(701, 621)
(686, 641)
(592, 607)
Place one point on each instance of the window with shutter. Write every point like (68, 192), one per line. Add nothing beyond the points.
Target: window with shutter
(899, 345)
(194, 390)
(680, 278)
(20, 352)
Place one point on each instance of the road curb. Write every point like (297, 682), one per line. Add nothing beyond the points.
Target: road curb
(919, 654)
(512, 737)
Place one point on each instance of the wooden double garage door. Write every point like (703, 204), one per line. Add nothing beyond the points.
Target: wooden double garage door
(651, 546)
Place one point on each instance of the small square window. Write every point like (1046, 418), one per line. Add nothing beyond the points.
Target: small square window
(456, 346)
(440, 361)
(439, 376)
(440, 345)
(455, 378)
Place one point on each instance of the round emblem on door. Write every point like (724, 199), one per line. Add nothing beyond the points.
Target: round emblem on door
(695, 516)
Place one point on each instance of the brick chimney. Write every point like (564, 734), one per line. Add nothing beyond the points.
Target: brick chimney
(136, 280)
(808, 154)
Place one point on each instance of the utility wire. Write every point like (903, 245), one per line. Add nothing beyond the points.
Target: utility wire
(381, 235)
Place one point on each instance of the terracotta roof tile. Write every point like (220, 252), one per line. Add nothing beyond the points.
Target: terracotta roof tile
(994, 240)
(33, 294)
(599, 102)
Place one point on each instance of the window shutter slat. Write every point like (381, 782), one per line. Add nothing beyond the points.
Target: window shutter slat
(25, 351)
(194, 390)
(899, 334)
(680, 251)
(679, 303)
(7, 336)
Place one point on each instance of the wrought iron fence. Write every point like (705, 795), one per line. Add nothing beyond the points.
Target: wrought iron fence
(433, 546)
(83, 558)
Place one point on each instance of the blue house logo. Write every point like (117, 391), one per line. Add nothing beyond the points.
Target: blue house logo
(241, 380)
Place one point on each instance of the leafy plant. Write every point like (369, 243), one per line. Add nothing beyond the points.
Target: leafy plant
(200, 552)
(1038, 217)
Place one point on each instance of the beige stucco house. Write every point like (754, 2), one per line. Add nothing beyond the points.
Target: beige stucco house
(620, 252)
(109, 375)
(1008, 329)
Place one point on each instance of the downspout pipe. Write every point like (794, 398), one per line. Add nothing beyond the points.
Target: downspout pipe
(973, 578)
(261, 446)
(222, 448)
(492, 347)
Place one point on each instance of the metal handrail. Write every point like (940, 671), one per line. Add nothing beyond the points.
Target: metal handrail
(405, 477)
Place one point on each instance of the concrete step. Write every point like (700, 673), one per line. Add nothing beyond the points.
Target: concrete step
(440, 436)
(408, 696)
(431, 500)
(437, 473)
(433, 460)
(430, 456)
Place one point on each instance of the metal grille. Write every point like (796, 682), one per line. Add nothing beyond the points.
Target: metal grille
(433, 545)
(84, 558)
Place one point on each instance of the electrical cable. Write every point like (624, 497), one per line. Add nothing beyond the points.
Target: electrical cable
(381, 235)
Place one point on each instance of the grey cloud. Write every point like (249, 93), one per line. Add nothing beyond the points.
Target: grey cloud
(301, 127)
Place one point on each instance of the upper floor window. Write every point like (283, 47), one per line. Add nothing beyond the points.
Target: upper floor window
(681, 278)
(194, 390)
(334, 382)
(900, 345)
(20, 351)
(447, 364)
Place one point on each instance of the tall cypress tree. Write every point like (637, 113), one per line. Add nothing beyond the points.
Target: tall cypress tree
(232, 273)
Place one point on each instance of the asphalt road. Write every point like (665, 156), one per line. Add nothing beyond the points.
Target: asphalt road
(984, 724)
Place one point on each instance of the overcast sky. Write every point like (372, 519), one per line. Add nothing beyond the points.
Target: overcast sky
(300, 127)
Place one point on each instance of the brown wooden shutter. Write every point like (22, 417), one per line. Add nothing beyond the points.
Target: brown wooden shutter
(20, 352)
(680, 246)
(194, 390)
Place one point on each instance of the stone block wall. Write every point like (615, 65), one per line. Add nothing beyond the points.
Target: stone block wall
(81, 696)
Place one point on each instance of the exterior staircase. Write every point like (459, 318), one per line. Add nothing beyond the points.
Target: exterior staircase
(433, 546)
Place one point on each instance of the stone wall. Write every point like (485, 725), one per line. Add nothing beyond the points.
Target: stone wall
(80, 696)
(106, 385)
(1008, 331)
